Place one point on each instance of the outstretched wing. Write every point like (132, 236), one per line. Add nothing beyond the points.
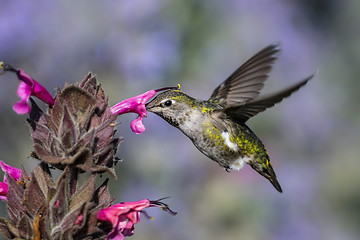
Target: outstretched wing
(247, 81)
(243, 112)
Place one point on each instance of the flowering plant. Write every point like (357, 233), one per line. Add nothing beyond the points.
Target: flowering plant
(74, 135)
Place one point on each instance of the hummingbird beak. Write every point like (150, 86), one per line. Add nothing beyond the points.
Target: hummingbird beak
(148, 107)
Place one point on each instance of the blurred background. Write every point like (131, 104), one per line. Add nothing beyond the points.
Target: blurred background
(133, 46)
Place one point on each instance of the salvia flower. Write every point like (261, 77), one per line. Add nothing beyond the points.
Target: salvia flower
(123, 216)
(76, 135)
(28, 87)
(13, 172)
(136, 105)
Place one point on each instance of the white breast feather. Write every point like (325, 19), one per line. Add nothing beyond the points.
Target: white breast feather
(238, 164)
(230, 144)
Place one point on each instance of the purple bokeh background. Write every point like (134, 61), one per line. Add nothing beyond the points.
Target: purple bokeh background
(133, 46)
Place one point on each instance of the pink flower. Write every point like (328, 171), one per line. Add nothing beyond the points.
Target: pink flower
(28, 87)
(124, 215)
(13, 172)
(3, 190)
(136, 105)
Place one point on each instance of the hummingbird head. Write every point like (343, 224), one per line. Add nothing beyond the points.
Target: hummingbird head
(172, 105)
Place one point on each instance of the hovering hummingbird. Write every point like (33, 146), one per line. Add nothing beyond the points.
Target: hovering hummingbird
(217, 126)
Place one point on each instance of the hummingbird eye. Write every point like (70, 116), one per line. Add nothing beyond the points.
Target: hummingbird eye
(168, 103)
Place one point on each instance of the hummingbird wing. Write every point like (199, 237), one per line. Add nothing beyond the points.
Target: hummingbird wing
(247, 81)
(243, 112)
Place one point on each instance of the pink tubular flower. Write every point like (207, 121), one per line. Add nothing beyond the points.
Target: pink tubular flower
(136, 105)
(28, 87)
(13, 172)
(124, 215)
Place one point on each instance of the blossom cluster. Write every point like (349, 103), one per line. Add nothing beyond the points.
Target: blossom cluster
(74, 135)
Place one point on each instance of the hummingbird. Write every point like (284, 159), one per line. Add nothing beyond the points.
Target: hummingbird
(217, 126)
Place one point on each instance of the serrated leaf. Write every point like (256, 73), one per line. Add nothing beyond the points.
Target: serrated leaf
(44, 224)
(44, 179)
(8, 229)
(89, 84)
(24, 175)
(40, 131)
(82, 156)
(70, 220)
(102, 197)
(84, 194)
(57, 110)
(67, 130)
(78, 101)
(15, 196)
(25, 227)
(102, 101)
(34, 197)
(59, 204)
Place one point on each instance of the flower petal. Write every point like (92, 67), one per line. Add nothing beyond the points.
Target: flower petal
(123, 216)
(109, 215)
(24, 90)
(37, 89)
(137, 125)
(115, 236)
(15, 173)
(40, 92)
(21, 107)
(3, 190)
(128, 230)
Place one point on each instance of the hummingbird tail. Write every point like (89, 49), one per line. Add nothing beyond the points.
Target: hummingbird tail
(271, 176)
(276, 184)
(267, 172)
